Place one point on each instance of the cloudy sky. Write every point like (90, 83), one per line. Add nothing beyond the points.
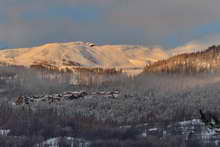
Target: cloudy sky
(167, 23)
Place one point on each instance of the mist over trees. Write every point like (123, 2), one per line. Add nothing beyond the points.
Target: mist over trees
(156, 99)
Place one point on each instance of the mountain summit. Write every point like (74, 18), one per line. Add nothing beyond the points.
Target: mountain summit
(82, 54)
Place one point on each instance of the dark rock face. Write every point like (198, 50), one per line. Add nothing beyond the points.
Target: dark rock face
(205, 61)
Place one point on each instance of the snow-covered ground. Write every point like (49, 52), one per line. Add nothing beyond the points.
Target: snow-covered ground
(72, 142)
(4, 132)
(190, 130)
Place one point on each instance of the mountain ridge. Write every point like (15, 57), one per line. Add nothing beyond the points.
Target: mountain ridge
(63, 55)
(201, 61)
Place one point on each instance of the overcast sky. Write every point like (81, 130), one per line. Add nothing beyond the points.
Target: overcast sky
(167, 23)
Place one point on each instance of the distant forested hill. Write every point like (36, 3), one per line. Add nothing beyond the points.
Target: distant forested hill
(204, 61)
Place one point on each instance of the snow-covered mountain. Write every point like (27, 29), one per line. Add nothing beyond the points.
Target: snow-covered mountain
(188, 48)
(69, 54)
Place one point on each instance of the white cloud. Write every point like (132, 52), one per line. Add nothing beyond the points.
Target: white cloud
(197, 45)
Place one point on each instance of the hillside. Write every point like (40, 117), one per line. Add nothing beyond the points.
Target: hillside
(208, 60)
(71, 54)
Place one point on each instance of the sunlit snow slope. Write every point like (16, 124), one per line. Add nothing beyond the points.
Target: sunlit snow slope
(83, 54)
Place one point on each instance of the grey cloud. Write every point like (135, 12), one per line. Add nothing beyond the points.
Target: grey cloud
(125, 21)
(167, 16)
